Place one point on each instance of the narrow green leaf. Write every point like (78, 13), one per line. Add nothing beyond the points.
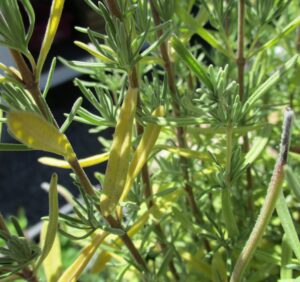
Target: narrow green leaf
(17, 226)
(193, 24)
(7, 147)
(165, 262)
(289, 28)
(31, 16)
(53, 219)
(293, 181)
(71, 115)
(191, 61)
(49, 79)
(257, 147)
(286, 258)
(288, 225)
(173, 121)
(223, 130)
(166, 192)
(271, 81)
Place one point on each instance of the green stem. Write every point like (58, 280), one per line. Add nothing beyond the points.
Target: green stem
(269, 203)
(227, 210)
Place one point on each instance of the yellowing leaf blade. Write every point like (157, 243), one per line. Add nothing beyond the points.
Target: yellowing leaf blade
(37, 133)
(76, 268)
(93, 51)
(142, 152)
(118, 163)
(50, 235)
(53, 22)
(86, 162)
(52, 264)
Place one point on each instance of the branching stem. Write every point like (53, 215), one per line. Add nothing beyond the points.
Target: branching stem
(180, 133)
(32, 86)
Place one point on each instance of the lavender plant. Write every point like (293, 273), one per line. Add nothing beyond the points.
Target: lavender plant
(189, 88)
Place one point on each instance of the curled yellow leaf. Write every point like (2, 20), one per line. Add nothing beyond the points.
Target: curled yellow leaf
(93, 51)
(52, 264)
(183, 152)
(53, 22)
(75, 269)
(48, 237)
(37, 133)
(118, 162)
(86, 162)
(142, 151)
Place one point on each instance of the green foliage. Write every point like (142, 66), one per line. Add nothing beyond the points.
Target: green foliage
(194, 91)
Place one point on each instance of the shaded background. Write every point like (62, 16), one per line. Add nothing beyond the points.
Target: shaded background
(20, 173)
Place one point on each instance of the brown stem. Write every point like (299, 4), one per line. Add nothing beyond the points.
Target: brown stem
(29, 275)
(180, 134)
(3, 225)
(32, 86)
(128, 242)
(240, 61)
(30, 83)
(114, 8)
(83, 179)
(134, 83)
(240, 48)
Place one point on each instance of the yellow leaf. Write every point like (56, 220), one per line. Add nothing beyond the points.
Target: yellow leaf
(118, 162)
(86, 162)
(142, 152)
(53, 22)
(75, 269)
(183, 152)
(52, 264)
(37, 133)
(93, 51)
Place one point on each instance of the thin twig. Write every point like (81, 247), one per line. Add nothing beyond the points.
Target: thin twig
(33, 87)
(241, 61)
(30, 82)
(180, 133)
(128, 242)
(148, 191)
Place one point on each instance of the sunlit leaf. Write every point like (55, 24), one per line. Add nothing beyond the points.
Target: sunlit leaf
(53, 22)
(37, 133)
